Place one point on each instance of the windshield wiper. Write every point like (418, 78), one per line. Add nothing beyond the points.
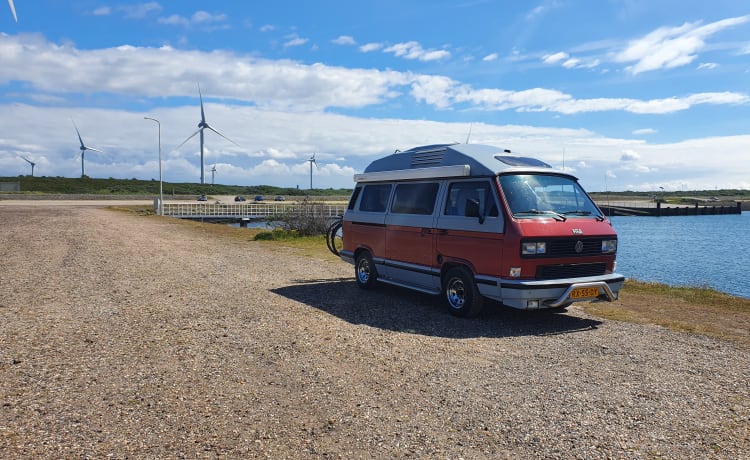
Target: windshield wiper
(555, 215)
(581, 212)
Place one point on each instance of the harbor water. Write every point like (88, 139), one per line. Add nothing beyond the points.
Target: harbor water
(697, 251)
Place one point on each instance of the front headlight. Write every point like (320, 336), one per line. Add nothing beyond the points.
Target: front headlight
(530, 248)
(609, 246)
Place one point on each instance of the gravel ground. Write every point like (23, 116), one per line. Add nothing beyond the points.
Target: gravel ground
(126, 336)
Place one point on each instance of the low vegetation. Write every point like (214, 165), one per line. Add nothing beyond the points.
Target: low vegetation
(111, 186)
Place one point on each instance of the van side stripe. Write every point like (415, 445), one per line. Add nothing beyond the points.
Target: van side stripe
(370, 224)
(411, 267)
(488, 282)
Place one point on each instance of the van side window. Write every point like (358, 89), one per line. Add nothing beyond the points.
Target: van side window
(416, 198)
(375, 198)
(480, 191)
(353, 199)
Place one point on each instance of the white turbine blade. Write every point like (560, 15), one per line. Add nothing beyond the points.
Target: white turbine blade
(95, 150)
(225, 137)
(13, 9)
(78, 132)
(203, 115)
(185, 141)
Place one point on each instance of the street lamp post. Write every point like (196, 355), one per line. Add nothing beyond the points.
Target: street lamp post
(161, 190)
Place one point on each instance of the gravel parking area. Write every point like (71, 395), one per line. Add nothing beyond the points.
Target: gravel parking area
(130, 336)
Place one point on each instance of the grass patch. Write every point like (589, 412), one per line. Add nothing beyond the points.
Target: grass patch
(310, 246)
(688, 309)
(142, 210)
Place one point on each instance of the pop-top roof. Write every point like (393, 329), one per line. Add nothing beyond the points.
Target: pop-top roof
(448, 160)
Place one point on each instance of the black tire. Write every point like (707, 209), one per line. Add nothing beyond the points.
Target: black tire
(460, 293)
(364, 271)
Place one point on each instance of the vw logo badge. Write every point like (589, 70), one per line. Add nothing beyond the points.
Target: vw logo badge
(579, 247)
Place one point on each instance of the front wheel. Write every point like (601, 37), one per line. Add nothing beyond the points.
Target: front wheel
(460, 293)
(364, 271)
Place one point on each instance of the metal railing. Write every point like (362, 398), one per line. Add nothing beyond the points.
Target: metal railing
(250, 210)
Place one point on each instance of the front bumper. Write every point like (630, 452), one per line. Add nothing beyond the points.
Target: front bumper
(527, 295)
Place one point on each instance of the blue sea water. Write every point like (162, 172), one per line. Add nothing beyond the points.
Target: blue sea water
(703, 251)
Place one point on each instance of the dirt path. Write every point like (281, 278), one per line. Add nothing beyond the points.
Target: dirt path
(131, 336)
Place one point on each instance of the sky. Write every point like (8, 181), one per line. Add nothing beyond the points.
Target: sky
(626, 95)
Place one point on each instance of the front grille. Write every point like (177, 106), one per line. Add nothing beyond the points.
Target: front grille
(566, 247)
(553, 272)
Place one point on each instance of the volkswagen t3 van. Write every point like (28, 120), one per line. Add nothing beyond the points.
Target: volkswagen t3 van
(469, 221)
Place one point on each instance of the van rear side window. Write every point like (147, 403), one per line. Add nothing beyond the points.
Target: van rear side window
(415, 198)
(375, 198)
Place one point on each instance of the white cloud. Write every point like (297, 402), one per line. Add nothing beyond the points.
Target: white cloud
(201, 19)
(642, 131)
(49, 69)
(490, 57)
(295, 41)
(282, 161)
(413, 50)
(555, 58)
(280, 111)
(630, 155)
(670, 47)
(707, 66)
(571, 63)
(369, 47)
(344, 40)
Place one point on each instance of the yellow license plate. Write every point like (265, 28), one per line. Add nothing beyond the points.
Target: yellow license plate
(584, 293)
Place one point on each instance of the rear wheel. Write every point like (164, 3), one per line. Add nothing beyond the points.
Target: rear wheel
(460, 293)
(364, 271)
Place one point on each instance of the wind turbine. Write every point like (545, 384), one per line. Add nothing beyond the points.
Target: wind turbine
(312, 160)
(83, 147)
(201, 126)
(13, 10)
(213, 170)
(29, 162)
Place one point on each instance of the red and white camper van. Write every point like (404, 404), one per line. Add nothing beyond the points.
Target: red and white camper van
(469, 222)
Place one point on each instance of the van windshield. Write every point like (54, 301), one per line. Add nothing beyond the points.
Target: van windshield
(546, 195)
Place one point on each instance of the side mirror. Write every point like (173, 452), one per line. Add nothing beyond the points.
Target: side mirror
(472, 210)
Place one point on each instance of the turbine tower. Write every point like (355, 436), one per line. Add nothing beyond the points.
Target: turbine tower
(201, 126)
(29, 162)
(312, 160)
(83, 148)
(213, 171)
